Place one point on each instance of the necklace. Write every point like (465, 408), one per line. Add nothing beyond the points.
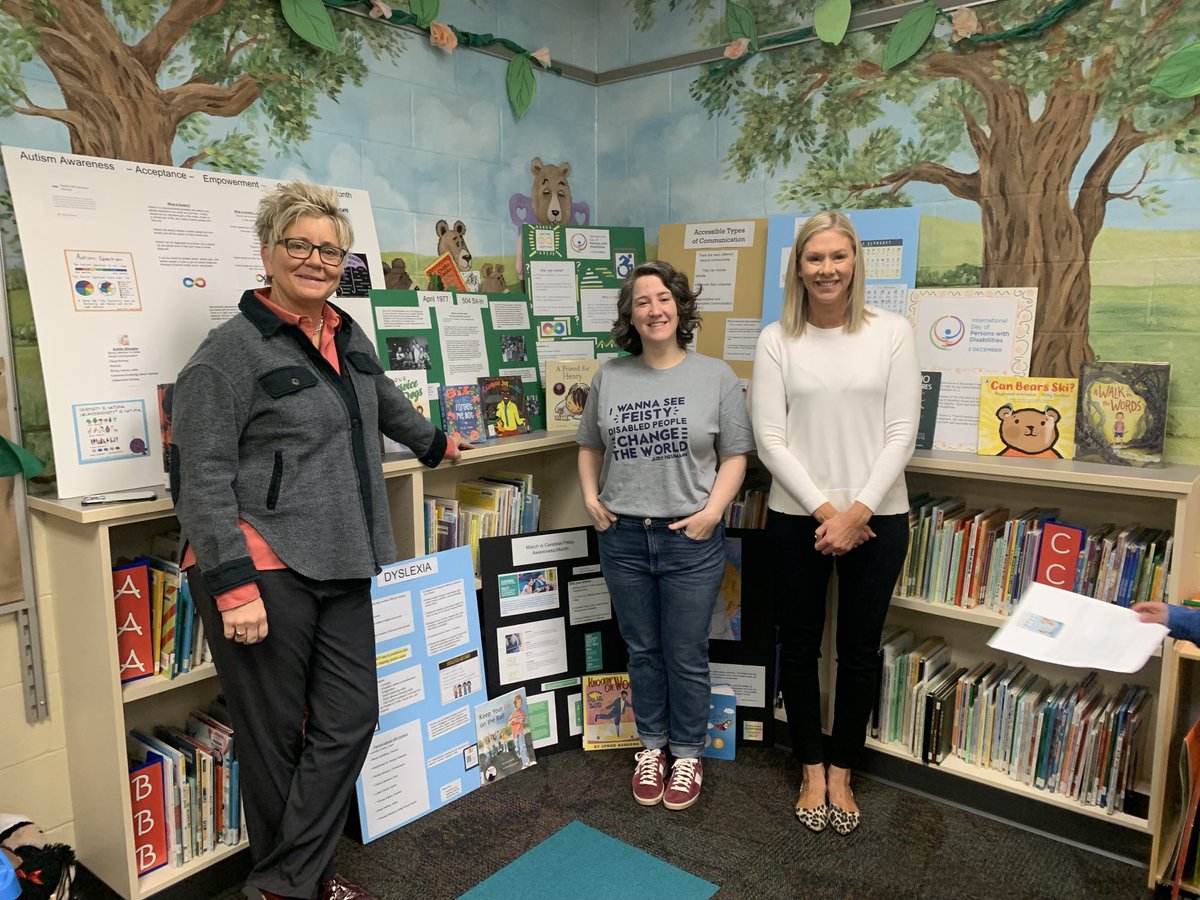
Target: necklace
(320, 325)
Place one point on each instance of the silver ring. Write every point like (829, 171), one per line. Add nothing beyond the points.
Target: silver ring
(237, 633)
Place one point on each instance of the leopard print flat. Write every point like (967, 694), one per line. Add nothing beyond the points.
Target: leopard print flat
(842, 820)
(813, 818)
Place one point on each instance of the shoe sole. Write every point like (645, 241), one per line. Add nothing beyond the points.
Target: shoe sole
(679, 806)
(657, 800)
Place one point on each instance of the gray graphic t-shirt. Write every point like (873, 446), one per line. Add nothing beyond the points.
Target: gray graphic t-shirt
(662, 432)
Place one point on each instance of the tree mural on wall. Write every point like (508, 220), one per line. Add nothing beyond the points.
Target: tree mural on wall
(1024, 113)
(135, 79)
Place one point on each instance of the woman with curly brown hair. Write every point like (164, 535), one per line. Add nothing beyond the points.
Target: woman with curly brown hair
(662, 453)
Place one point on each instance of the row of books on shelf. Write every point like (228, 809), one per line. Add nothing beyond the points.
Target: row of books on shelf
(749, 510)
(159, 631)
(184, 786)
(1070, 738)
(973, 557)
(497, 504)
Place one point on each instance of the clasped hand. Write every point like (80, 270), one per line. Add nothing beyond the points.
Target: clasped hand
(841, 531)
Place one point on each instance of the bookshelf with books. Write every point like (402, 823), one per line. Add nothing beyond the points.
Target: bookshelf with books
(1163, 504)
(75, 549)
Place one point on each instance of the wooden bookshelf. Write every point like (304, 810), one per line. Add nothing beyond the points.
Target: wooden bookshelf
(74, 550)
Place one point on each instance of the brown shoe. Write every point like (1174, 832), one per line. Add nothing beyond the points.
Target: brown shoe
(338, 888)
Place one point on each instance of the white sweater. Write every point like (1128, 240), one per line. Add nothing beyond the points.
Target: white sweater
(835, 414)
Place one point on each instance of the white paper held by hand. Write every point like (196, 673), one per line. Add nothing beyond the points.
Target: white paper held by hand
(1069, 629)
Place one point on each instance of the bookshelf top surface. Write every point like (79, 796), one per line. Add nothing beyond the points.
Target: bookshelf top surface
(1169, 479)
(72, 509)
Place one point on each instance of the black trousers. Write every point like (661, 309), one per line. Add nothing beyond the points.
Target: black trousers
(298, 776)
(866, 579)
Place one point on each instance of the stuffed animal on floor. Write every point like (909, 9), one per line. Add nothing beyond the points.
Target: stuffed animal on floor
(45, 871)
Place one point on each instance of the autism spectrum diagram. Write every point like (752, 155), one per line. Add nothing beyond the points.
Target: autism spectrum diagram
(650, 429)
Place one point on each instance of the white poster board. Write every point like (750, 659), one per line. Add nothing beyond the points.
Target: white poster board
(129, 266)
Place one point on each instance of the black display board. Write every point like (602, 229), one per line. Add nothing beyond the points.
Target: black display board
(510, 568)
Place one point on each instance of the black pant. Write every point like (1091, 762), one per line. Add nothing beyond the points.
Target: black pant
(866, 579)
(297, 775)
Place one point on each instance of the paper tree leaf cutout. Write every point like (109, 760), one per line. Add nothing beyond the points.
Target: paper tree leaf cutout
(1179, 76)
(425, 11)
(521, 85)
(831, 18)
(909, 34)
(310, 20)
(740, 22)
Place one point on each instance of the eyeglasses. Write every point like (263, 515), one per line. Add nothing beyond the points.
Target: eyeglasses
(299, 248)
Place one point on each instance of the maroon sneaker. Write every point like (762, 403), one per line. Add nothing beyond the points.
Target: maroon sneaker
(648, 777)
(684, 787)
(338, 888)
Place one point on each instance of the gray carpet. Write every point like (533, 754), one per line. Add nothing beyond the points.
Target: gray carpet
(740, 836)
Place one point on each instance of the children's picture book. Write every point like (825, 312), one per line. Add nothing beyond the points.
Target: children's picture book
(131, 602)
(504, 742)
(503, 406)
(931, 388)
(720, 738)
(1027, 418)
(568, 382)
(608, 713)
(1122, 412)
(446, 271)
(462, 410)
(415, 385)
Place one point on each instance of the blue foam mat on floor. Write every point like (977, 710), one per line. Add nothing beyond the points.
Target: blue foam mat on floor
(581, 862)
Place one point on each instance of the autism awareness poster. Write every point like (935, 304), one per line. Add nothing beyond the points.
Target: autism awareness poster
(130, 265)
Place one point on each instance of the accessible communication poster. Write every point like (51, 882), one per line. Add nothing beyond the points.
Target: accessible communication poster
(130, 265)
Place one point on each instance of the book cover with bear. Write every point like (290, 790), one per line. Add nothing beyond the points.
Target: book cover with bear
(1122, 412)
(1027, 418)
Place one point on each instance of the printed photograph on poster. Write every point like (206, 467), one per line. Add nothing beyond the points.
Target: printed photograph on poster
(727, 610)
(105, 432)
(470, 756)
(444, 610)
(102, 281)
(532, 650)
(459, 677)
(588, 601)
(526, 592)
(406, 353)
(503, 739)
(394, 786)
(512, 348)
(543, 719)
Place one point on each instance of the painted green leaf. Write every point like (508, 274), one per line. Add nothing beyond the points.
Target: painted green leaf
(310, 20)
(522, 87)
(831, 18)
(1179, 76)
(425, 11)
(909, 34)
(740, 22)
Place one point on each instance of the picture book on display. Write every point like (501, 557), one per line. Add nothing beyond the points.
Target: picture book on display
(608, 713)
(1027, 418)
(503, 406)
(568, 382)
(462, 410)
(1122, 416)
(931, 388)
(504, 742)
(415, 385)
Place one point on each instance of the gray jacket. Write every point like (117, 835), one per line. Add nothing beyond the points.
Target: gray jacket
(265, 430)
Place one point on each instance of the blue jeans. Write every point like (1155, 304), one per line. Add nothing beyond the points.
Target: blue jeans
(663, 586)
